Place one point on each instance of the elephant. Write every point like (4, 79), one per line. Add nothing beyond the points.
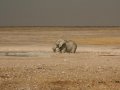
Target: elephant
(66, 46)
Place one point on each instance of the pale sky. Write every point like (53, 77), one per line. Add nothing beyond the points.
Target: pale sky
(59, 12)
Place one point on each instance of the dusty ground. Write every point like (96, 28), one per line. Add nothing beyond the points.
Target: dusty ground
(28, 63)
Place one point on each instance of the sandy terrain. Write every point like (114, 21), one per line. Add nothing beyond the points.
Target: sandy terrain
(28, 63)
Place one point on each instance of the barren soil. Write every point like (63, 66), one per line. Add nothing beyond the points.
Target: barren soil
(28, 63)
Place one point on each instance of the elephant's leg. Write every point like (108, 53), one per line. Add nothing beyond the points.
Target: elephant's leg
(63, 50)
(73, 50)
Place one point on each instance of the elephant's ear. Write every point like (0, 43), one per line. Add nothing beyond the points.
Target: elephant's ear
(62, 42)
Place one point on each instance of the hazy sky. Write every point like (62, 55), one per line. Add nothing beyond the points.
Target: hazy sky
(60, 12)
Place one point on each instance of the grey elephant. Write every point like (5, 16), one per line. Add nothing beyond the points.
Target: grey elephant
(66, 46)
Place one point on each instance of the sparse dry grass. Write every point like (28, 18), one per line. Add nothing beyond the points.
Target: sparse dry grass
(98, 40)
(61, 73)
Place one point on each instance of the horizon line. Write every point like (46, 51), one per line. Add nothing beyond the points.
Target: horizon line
(57, 26)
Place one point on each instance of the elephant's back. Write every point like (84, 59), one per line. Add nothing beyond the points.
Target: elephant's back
(71, 43)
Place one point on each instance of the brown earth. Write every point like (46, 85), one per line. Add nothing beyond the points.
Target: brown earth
(28, 63)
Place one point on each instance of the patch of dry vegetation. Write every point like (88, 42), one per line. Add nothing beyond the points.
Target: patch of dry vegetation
(47, 77)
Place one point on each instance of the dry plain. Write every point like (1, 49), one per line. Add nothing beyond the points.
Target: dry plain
(28, 63)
